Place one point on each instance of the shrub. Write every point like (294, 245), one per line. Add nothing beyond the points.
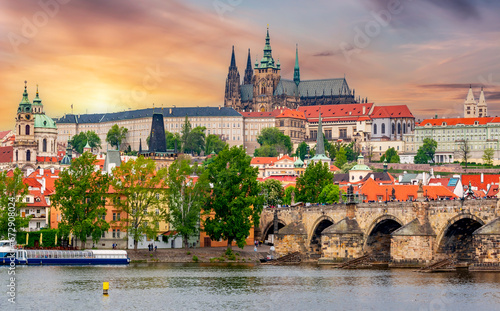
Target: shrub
(188, 253)
(195, 258)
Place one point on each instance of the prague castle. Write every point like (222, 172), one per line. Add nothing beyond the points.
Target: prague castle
(264, 89)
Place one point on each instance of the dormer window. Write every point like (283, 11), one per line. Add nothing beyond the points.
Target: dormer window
(476, 122)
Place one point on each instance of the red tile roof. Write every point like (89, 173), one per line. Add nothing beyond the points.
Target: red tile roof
(47, 159)
(455, 121)
(3, 134)
(263, 160)
(260, 114)
(288, 113)
(32, 182)
(475, 180)
(373, 191)
(397, 111)
(333, 168)
(337, 112)
(6, 154)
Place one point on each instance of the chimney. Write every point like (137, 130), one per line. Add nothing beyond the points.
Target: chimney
(372, 176)
(482, 178)
(364, 109)
(52, 170)
(41, 173)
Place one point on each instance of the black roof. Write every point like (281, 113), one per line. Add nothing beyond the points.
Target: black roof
(148, 113)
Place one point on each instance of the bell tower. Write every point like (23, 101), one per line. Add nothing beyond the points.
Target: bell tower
(25, 145)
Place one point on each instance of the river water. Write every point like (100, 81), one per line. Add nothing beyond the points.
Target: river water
(246, 287)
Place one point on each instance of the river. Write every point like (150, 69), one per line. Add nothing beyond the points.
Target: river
(246, 287)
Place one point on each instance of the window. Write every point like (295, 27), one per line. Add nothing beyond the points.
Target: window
(118, 233)
(114, 233)
(114, 216)
(103, 234)
(343, 133)
(27, 129)
(28, 155)
(383, 128)
(44, 144)
(374, 128)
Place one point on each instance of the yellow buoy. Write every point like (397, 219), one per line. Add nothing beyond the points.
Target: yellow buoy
(105, 287)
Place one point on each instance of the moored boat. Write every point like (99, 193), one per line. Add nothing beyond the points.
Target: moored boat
(9, 254)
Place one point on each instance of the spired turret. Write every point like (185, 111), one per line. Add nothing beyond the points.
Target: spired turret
(482, 108)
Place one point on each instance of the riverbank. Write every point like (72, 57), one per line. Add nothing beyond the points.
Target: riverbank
(204, 254)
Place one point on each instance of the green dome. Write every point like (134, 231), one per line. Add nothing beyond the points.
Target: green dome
(298, 163)
(44, 121)
(360, 167)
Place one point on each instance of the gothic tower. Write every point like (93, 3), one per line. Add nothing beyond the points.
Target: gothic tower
(232, 95)
(482, 108)
(248, 71)
(25, 145)
(470, 105)
(266, 78)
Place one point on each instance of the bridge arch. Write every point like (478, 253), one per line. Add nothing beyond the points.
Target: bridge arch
(314, 235)
(378, 236)
(456, 236)
(269, 229)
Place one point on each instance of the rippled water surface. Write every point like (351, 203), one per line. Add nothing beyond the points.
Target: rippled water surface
(247, 287)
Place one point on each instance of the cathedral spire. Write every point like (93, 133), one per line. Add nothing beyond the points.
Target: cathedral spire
(233, 61)
(296, 69)
(267, 60)
(248, 71)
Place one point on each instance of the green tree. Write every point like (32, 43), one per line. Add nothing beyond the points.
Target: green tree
(172, 139)
(186, 130)
(488, 156)
(429, 148)
(80, 140)
(12, 194)
(391, 155)
(185, 198)
(311, 183)
(330, 194)
(214, 143)
(301, 151)
(340, 157)
(196, 140)
(80, 194)
(421, 157)
(273, 192)
(266, 151)
(274, 138)
(287, 199)
(235, 203)
(344, 169)
(351, 151)
(139, 192)
(116, 135)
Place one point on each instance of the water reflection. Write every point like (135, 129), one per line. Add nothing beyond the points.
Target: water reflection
(249, 287)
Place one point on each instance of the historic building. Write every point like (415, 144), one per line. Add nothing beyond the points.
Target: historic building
(264, 89)
(222, 121)
(473, 108)
(36, 135)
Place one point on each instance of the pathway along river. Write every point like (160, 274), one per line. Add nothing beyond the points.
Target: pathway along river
(247, 287)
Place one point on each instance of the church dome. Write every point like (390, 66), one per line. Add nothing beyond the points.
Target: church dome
(298, 163)
(44, 121)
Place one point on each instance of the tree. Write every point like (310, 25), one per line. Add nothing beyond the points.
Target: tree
(488, 156)
(340, 157)
(344, 169)
(421, 157)
(116, 135)
(287, 199)
(391, 155)
(195, 142)
(80, 140)
(330, 194)
(351, 151)
(274, 138)
(185, 198)
(266, 151)
(235, 203)
(173, 140)
(80, 194)
(429, 148)
(311, 183)
(139, 192)
(301, 151)
(12, 194)
(186, 130)
(214, 143)
(464, 151)
(273, 192)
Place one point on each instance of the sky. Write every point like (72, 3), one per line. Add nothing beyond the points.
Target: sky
(114, 55)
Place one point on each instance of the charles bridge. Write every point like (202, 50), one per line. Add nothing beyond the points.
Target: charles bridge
(400, 233)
